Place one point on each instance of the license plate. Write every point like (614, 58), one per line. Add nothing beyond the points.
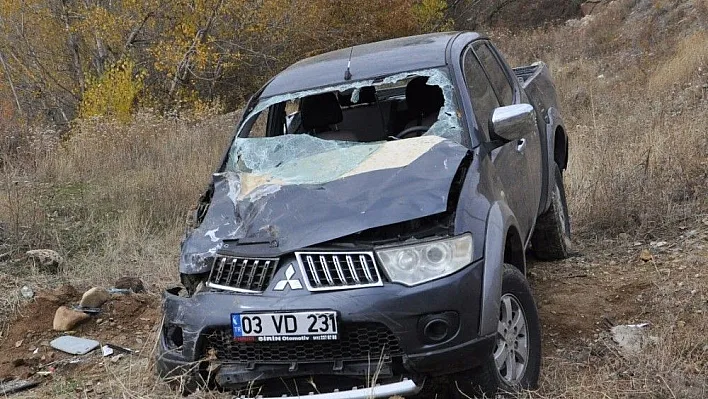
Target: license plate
(283, 327)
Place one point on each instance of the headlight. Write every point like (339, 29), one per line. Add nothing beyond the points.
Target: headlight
(419, 263)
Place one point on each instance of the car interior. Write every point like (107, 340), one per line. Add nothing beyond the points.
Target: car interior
(365, 114)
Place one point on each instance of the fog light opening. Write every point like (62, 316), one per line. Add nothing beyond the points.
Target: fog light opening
(436, 330)
(175, 338)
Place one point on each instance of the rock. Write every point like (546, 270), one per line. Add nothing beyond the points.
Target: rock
(46, 259)
(18, 362)
(65, 319)
(645, 255)
(94, 298)
(630, 338)
(131, 283)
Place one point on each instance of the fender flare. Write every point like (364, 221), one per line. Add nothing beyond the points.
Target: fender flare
(499, 220)
(553, 120)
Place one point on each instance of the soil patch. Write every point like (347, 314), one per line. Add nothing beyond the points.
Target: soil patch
(128, 321)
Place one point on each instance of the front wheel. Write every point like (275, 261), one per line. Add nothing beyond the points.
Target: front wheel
(515, 362)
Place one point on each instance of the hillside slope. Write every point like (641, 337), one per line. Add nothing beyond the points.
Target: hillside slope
(633, 82)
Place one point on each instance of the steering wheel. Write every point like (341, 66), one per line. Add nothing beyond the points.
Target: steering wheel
(410, 130)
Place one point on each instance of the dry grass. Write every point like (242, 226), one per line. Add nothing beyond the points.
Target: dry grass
(112, 198)
(684, 66)
(636, 110)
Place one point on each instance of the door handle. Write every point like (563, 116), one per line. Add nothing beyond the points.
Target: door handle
(521, 145)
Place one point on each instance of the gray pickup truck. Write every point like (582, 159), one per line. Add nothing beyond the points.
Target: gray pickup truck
(365, 234)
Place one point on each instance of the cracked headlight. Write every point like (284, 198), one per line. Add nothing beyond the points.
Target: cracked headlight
(419, 263)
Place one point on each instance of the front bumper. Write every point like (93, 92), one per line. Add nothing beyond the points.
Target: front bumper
(401, 310)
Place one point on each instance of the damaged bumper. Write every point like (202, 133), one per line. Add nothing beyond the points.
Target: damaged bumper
(399, 332)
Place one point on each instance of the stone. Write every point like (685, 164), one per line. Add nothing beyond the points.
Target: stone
(46, 259)
(94, 298)
(131, 283)
(630, 338)
(65, 318)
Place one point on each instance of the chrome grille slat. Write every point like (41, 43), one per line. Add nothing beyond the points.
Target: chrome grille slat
(338, 268)
(365, 266)
(220, 269)
(247, 275)
(352, 268)
(324, 271)
(313, 271)
(231, 272)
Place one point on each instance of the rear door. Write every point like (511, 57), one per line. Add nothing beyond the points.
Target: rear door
(518, 162)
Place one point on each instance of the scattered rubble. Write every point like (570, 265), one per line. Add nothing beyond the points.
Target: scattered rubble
(94, 298)
(65, 319)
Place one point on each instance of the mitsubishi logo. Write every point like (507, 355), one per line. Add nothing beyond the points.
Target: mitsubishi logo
(293, 283)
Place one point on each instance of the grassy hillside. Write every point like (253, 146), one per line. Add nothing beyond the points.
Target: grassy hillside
(112, 197)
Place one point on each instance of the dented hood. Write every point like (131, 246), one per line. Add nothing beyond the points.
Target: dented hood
(267, 206)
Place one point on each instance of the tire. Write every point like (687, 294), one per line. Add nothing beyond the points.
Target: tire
(551, 238)
(494, 377)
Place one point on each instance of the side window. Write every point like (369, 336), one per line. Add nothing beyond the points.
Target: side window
(495, 71)
(481, 93)
(258, 129)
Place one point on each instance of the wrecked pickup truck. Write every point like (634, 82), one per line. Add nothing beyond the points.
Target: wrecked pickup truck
(365, 234)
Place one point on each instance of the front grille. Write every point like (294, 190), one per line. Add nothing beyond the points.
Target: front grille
(338, 270)
(241, 274)
(357, 342)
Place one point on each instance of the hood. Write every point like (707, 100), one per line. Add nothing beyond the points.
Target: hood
(321, 197)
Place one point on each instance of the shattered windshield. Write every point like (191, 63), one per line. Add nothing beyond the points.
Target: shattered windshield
(322, 134)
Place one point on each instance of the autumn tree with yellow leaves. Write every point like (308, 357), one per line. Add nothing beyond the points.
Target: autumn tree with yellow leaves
(60, 59)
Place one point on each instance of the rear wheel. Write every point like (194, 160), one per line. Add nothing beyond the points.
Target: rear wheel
(515, 362)
(551, 238)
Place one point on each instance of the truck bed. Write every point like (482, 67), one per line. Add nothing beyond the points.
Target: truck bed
(527, 72)
(538, 85)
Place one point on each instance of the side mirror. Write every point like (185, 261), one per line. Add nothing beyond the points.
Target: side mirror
(513, 122)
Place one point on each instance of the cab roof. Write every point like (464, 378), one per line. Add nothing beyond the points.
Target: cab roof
(368, 61)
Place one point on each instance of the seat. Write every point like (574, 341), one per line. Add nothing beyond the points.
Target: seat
(320, 115)
(424, 102)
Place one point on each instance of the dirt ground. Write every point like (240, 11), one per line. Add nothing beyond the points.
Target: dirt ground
(658, 280)
(128, 321)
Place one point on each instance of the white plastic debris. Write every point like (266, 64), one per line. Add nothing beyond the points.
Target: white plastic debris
(74, 345)
(107, 350)
(27, 292)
